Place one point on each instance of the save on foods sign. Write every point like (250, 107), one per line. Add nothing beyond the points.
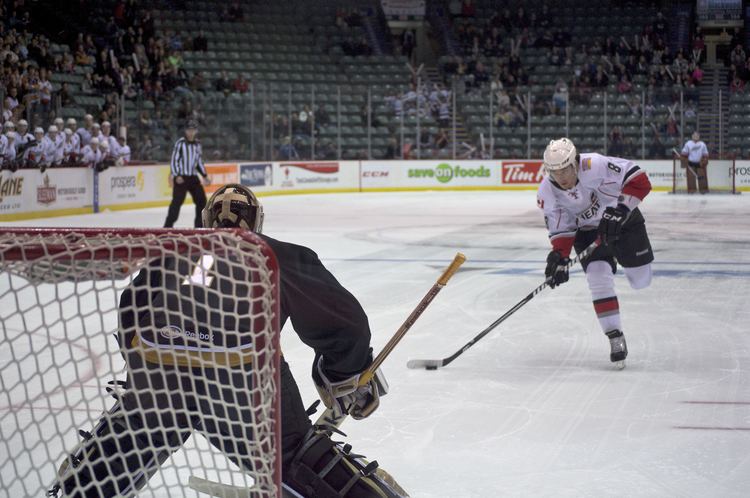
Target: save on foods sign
(433, 174)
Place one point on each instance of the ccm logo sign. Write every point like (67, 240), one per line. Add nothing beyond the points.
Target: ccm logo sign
(519, 172)
(375, 174)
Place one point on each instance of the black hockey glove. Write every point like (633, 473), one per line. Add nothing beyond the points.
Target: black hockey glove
(557, 269)
(611, 224)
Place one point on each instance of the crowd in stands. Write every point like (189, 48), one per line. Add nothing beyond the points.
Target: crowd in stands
(738, 62)
(28, 97)
(124, 56)
(608, 62)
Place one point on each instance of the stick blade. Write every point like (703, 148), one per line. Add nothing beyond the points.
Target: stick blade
(426, 364)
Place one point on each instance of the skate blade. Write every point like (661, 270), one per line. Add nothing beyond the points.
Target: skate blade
(619, 365)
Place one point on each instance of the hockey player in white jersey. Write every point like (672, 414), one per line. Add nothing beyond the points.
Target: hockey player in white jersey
(36, 153)
(71, 152)
(53, 151)
(590, 196)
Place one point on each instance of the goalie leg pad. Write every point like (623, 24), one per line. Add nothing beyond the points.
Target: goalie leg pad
(116, 459)
(323, 468)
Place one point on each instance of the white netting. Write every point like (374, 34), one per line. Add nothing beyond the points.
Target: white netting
(720, 175)
(204, 334)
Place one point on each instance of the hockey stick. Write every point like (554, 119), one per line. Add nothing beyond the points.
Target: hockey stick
(435, 364)
(328, 417)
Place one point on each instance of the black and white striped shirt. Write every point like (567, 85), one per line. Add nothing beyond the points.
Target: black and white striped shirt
(186, 159)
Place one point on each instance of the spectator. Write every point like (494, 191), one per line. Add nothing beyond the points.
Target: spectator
(560, 97)
(200, 42)
(624, 86)
(468, 9)
(45, 93)
(672, 128)
(737, 57)
(391, 152)
(235, 12)
(287, 150)
(223, 84)
(66, 99)
(697, 75)
(408, 43)
(240, 85)
(737, 86)
(198, 82)
(616, 141)
(322, 118)
(660, 26)
(11, 100)
(441, 139)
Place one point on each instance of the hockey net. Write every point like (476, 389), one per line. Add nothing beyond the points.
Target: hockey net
(720, 177)
(60, 316)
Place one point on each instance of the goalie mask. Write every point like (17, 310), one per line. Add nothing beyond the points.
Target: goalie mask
(233, 206)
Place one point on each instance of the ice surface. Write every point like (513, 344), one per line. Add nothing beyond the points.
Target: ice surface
(535, 408)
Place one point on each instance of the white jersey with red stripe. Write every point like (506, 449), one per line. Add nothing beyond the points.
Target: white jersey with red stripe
(603, 181)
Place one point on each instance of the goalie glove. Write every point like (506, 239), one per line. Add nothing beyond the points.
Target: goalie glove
(557, 269)
(347, 396)
(611, 223)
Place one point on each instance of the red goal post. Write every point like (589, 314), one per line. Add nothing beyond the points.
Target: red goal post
(59, 298)
(720, 175)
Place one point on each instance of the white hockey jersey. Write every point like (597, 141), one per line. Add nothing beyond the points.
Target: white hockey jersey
(602, 181)
(70, 149)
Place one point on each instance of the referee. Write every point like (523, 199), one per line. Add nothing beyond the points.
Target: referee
(186, 165)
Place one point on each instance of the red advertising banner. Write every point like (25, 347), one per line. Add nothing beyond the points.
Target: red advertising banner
(521, 172)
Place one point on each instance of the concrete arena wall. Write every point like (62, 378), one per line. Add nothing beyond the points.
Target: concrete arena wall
(27, 194)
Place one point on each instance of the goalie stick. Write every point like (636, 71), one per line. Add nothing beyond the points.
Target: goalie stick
(328, 417)
(687, 164)
(435, 364)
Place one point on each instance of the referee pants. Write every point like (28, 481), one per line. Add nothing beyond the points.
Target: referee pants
(190, 184)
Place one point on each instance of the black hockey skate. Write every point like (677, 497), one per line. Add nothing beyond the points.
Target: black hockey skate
(619, 348)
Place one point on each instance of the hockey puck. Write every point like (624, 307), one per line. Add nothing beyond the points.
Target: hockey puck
(431, 367)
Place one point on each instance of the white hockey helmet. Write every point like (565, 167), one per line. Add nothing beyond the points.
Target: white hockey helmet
(58, 122)
(23, 122)
(52, 129)
(233, 206)
(9, 125)
(38, 130)
(94, 141)
(71, 121)
(560, 154)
